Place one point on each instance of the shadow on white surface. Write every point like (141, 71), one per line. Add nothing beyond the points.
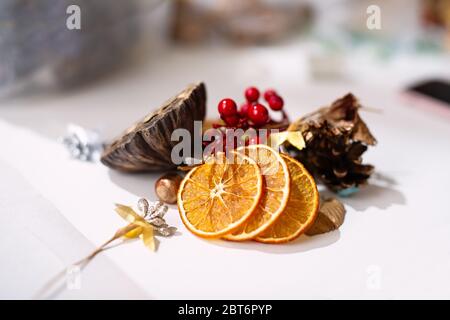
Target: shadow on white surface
(302, 244)
(139, 184)
(375, 196)
(379, 193)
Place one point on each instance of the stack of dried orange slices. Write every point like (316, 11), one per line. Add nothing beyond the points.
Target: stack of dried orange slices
(253, 193)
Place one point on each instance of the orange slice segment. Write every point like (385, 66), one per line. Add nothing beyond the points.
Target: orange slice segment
(218, 196)
(275, 192)
(301, 209)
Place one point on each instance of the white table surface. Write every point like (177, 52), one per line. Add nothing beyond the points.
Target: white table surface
(395, 242)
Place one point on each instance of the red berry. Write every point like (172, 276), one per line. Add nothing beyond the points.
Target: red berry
(276, 103)
(269, 93)
(231, 121)
(252, 94)
(227, 107)
(258, 114)
(244, 109)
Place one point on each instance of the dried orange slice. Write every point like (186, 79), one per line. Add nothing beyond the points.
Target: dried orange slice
(275, 192)
(216, 197)
(301, 209)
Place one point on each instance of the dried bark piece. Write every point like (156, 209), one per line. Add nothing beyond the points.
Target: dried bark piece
(330, 217)
(146, 146)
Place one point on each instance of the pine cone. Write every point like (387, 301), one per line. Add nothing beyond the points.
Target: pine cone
(336, 137)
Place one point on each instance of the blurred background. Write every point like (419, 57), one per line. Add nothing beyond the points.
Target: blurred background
(129, 56)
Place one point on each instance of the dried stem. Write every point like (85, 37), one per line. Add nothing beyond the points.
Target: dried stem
(371, 109)
(83, 262)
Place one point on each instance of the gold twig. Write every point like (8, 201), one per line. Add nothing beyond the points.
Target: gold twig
(82, 263)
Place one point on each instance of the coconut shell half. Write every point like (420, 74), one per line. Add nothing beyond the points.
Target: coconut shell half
(147, 145)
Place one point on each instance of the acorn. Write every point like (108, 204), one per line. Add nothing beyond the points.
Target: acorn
(166, 187)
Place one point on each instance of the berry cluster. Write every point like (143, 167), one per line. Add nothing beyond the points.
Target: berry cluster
(251, 113)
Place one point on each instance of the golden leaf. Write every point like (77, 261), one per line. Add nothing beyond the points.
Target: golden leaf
(141, 227)
(136, 232)
(295, 138)
(278, 138)
(127, 213)
(148, 239)
(331, 216)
